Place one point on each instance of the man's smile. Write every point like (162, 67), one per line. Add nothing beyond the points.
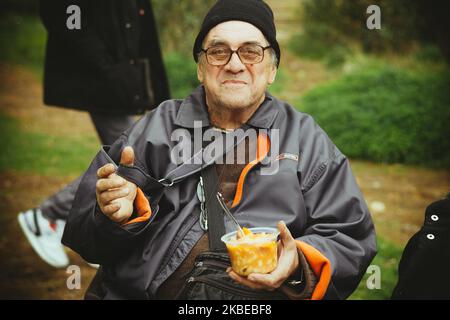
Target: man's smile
(234, 83)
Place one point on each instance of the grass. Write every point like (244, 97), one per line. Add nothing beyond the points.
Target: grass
(387, 260)
(41, 153)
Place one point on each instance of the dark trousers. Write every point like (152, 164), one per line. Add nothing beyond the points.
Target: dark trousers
(108, 129)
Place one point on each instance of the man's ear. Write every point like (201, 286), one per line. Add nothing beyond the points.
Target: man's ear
(273, 74)
(200, 71)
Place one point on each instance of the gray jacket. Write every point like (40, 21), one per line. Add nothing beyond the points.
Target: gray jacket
(313, 190)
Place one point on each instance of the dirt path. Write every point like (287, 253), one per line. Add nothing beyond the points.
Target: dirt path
(21, 98)
(23, 275)
(404, 191)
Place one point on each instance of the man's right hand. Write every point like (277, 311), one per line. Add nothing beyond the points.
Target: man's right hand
(115, 195)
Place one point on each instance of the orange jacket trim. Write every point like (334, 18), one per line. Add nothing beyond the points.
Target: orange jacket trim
(321, 267)
(262, 149)
(142, 207)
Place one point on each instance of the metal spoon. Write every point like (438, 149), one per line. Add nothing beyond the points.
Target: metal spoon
(240, 232)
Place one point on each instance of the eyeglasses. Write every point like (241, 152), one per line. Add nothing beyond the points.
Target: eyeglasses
(248, 53)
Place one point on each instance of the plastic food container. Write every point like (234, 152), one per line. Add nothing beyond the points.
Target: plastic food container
(253, 253)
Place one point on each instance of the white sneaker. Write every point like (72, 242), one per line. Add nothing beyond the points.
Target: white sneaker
(45, 237)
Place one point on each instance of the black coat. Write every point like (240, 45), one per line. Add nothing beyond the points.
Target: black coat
(111, 65)
(425, 264)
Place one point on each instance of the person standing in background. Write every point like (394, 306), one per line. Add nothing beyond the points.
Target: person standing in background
(112, 68)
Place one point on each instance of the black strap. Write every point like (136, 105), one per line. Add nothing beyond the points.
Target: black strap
(193, 165)
(216, 226)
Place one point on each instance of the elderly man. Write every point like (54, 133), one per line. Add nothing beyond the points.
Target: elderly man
(147, 215)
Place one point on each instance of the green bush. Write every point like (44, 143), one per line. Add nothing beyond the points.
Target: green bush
(429, 53)
(22, 39)
(315, 44)
(179, 22)
(324, 24)
(386, 115)
(337, 57)
(182, 73)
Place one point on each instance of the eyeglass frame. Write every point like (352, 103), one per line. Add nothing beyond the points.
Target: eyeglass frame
(233, 52)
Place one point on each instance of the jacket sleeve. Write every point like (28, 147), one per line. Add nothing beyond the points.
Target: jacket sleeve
(85, 41)
(339, 241)
(92, 234)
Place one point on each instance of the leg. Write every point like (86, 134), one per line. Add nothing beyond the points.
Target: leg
(110, 127)
(58, 205)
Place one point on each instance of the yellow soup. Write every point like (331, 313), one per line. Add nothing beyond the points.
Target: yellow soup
(253, 253)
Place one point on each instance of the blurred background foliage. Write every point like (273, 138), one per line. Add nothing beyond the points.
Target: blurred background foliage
(335, 28)
(397, 116)
(381, 96)
(179, 22)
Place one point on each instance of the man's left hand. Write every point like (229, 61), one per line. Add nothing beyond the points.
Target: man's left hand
(288, 262)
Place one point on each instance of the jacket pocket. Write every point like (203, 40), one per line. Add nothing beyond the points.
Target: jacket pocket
(208, 280)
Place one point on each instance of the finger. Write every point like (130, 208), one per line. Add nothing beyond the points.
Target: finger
(285, 235)
(106, 170)
(108, 196)
(279, 248)
(271, 281)
(110, 209)
(287, 261)
(120, 216)
(127, 156)
(244, 281)
(109, 183)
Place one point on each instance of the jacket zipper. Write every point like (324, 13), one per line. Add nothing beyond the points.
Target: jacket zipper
(221, 265)
(235, 204)
(212, 264)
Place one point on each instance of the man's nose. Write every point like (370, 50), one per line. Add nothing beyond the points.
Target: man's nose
(235, 64)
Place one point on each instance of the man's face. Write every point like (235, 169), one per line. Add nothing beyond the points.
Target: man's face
(236, 85)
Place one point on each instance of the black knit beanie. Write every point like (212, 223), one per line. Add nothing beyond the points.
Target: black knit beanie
(256, 12)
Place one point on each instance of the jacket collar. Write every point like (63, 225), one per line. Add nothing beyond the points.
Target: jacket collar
(193, 108)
